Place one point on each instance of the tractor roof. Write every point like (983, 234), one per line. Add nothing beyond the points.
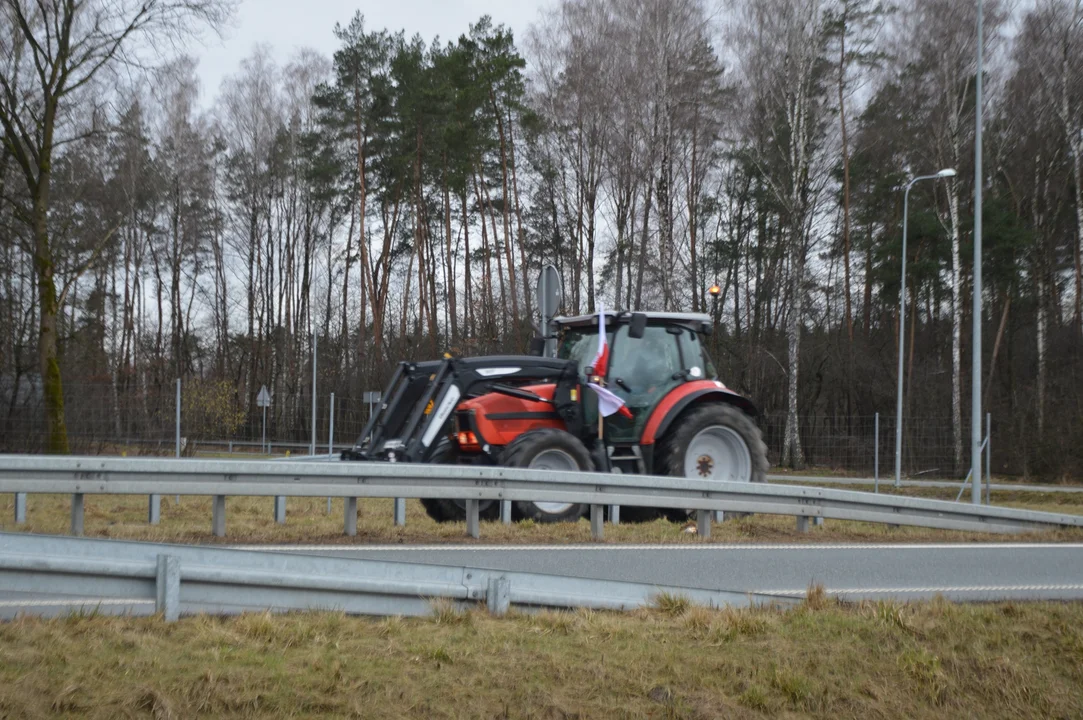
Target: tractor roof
(695, 321)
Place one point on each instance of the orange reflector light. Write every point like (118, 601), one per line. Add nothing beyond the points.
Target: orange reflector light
(468, 439)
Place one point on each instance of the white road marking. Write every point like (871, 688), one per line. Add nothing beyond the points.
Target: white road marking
(640, 548)
(960, 588)
(36, 602)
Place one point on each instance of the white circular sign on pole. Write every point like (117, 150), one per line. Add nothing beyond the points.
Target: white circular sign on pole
(550, 297)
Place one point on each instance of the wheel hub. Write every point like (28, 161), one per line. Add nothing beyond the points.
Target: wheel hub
(705, 464)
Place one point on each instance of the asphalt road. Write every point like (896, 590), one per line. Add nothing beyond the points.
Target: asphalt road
(965, 572)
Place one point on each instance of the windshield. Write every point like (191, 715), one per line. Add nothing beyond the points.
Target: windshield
(581, 345)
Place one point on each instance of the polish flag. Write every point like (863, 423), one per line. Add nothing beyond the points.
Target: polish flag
(608, 402)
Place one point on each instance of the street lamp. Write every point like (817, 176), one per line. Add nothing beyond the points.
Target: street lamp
(715, 291)
(945, 173)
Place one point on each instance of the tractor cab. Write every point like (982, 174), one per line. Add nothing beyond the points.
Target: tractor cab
(650, 354)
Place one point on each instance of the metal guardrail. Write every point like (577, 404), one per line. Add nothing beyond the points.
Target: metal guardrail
(186, 579)
(934, 484)
(352, 480)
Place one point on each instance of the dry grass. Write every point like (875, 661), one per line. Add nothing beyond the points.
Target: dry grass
(250, 520)
(822, 659)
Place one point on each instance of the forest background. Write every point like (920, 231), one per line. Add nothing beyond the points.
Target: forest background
(397, 200)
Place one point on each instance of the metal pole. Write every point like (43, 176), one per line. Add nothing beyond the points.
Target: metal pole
(312, 447)
(176, 500)
(263, 444)
(178, 417)
(989, 458)
(876, 454)
(975, 397)
(902, 341)
(331, 442)
(902, 320)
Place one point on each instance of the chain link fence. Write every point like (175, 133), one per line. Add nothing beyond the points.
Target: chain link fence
(103, 418)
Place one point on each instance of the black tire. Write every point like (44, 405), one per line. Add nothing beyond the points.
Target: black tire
(729, 425)
(442, 510)
(541, 449)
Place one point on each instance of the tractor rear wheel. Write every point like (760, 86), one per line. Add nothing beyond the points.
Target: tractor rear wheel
(442, 510)
(714, 441)
(549, 449)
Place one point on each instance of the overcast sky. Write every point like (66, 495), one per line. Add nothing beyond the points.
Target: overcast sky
(287, 25)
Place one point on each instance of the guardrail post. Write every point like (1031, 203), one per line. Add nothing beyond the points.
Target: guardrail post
(350, 515)
(505, 512)
(154, 509)
(614, 514)
(218, 515)
(498, 595)
(77, 514)
(400, 512)
(280, 509)
(473, 522)
(703, 523)
(818, 521)
(597, 528)
(167, 587)
(802, 523)
(20, 508)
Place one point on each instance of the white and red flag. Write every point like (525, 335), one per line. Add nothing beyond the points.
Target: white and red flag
(608, 402)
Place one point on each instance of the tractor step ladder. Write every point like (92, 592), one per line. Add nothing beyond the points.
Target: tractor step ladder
(627, 452)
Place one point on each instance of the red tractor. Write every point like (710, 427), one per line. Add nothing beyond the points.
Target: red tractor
(538, 412)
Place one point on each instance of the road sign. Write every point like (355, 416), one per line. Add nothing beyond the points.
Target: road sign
(370, 397)
(550, 295)
(264, 398)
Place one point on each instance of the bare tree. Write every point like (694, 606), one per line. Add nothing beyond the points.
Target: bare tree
(55, 52)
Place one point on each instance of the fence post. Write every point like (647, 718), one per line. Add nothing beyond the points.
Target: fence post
(876, 454)
(473, 521)
(989, 458)
(498, 595)
(703, 523)
(154, 509)
(331, 442)
(218, 515)
(20, 508)
(167, 587)
(314, 356)
(77, 514)
(176, 500)
(349, 505)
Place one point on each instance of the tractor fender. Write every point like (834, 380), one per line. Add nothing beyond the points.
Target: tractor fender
(682, 396)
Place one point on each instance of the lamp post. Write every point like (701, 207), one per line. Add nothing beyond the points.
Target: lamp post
(714, 291)
(946, 173)
(975, 369)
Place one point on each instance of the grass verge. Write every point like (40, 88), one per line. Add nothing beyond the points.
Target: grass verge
(822, 659)
(250, 520)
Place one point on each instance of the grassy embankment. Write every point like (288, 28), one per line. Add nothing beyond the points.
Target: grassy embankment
(250, 520)
(822, 659)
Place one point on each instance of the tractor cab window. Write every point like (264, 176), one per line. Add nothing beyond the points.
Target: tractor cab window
(694, 356)
(581, 345)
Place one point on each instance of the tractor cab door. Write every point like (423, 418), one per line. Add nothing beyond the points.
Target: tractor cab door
(641, 371)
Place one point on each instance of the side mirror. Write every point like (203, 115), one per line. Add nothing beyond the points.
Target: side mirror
(638, 326)
(537, 346)
(706, 328)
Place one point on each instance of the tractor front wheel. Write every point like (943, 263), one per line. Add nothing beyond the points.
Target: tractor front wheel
(549, 449)
(441, 510)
